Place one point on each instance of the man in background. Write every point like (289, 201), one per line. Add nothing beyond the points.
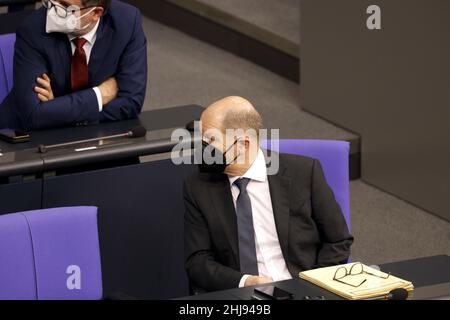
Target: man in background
(77, 62)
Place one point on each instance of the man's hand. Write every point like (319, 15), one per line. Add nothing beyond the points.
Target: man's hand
(109, 90)
(44, 90)
(254, 280)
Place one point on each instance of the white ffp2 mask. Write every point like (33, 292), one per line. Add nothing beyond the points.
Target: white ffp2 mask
(68, 25)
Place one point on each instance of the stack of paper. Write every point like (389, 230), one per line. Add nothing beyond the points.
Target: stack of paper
(373, 282)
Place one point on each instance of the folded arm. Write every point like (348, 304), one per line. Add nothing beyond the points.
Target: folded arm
(68, 110)
(131, 77)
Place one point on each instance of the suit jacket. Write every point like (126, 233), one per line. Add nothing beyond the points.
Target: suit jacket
(310, 225)
(120, 50)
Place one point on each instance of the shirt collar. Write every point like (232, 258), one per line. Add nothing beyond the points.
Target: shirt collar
(257, 171)
(90, 36)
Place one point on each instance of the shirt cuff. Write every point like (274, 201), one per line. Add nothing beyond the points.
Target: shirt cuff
(99, 99)
(243, 279)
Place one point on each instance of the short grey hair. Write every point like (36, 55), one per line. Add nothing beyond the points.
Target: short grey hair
(243, 119)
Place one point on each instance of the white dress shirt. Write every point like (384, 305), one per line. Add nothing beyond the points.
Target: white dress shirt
(271, 262)
(91, 37)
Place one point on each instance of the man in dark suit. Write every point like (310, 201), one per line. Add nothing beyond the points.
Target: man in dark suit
(245, 227)
(77, 62)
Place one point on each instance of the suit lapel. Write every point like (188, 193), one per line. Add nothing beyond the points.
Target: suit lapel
(60, 73)
(101, 47)
(279, 186)
(222, 200)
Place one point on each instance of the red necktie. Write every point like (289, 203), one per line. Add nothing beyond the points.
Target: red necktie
(79, 69)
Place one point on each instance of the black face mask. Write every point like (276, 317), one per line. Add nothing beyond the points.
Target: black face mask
(215, 153)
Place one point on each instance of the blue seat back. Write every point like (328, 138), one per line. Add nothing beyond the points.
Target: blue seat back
(334, 158)
(50, 254)
(7, 42)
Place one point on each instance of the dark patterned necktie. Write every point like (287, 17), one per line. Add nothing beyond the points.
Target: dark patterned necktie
(247, 246)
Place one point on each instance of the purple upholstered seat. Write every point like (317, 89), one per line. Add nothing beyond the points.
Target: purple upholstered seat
(17, 278)
(334, 158)
(6, 64)
(64, 247)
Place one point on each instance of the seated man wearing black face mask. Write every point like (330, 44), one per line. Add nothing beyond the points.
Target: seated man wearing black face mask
(77, 62)
(245, 227)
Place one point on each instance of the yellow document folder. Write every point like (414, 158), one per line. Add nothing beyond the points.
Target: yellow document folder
(355, 281)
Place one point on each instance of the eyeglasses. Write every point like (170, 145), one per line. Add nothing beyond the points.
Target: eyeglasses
(355, 269)
(61, 10)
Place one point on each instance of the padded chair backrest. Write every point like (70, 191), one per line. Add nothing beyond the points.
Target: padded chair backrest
(334, 158)
(7, 42)
(17, 277)
(65, 251)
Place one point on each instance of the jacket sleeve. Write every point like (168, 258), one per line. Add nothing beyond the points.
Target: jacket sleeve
(202, 268)
(131, 77)
(68, 110)
(336, 239)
